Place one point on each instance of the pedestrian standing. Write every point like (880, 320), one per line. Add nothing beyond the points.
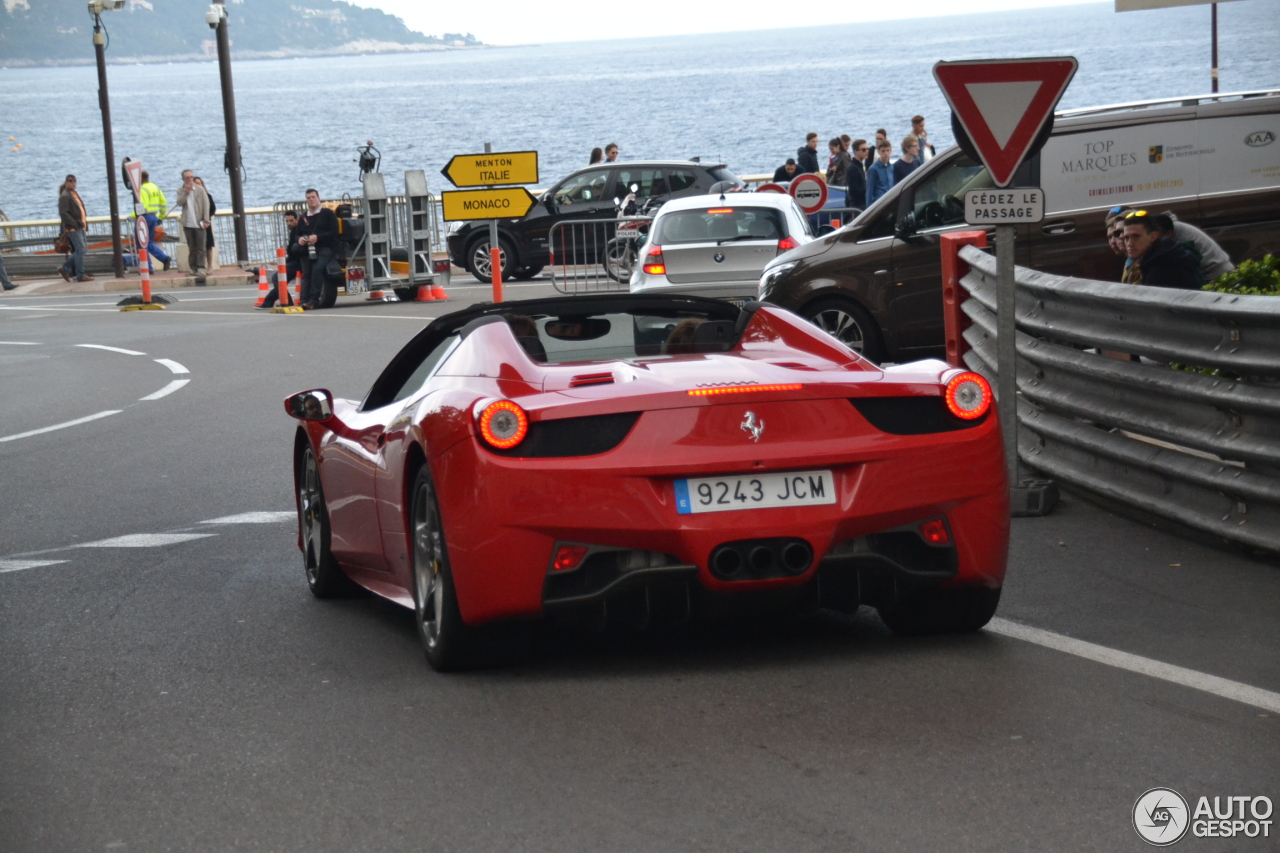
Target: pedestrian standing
(927, 152)
(195, 217)
(882, 135)
(74, 224)
(856, 177)
(154, 206)
(597, 154)
(611, 152)
(208, 229)
(807, 155)
(880, 175)
(837, 163)
(908, 162)
(318, 232)
(4, 277)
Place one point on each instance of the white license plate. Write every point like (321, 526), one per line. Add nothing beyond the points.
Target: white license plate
(755, 491)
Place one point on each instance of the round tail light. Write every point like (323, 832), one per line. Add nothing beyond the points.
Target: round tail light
(968, 396)
(503, 424)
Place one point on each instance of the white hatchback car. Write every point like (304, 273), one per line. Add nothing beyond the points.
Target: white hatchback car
(718, 245)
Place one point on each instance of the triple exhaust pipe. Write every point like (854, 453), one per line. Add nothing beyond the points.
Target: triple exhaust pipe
(757, 559)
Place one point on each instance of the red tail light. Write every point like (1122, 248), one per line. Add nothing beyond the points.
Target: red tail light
(503, 424)
(787, 243)
(968, 396)
(568, 557)
(934, 532)
(653, 262)
(742, 389)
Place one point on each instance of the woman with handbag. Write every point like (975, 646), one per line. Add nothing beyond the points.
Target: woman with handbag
(74, 225)
(208, 231)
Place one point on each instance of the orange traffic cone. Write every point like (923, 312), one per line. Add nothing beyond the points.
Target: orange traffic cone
(424, 294)
(437, 291)
(297, 289)
(263, 287)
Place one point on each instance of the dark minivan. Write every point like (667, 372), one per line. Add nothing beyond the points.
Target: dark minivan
(1213, 161)
(586, 194)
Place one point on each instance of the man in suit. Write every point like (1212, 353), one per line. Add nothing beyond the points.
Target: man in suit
(194, 202)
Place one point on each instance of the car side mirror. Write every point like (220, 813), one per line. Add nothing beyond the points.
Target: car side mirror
(824, 230)
(314, 405)
(906, 227)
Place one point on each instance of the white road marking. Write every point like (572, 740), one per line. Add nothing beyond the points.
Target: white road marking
(23, 565)
(145, 540)
(1223, 687)
(18, 344)
(172, 365)
(166, 390)
(254, 518)
(111, 349)
(76, 422)
(417, 318)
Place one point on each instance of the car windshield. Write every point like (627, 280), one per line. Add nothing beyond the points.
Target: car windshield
(559, 339)
(720, 225)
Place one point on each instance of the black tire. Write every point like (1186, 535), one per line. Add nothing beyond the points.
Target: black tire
(329, 295)
(324, 577)
(848, 321)
(526, 273)
(450, 644)
(406, 294)
(620, 259)
(942, 611)
(478, 262)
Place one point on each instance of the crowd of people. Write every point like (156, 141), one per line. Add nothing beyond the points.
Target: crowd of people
(196, 221)
(1162, 251)
(865, 169)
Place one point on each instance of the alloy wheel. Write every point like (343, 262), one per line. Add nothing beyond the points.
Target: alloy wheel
(841, 325)
(428, 556)
(311, 509)
(480, 258)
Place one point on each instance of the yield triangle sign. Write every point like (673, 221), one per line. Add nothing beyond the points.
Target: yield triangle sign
(1003, 103)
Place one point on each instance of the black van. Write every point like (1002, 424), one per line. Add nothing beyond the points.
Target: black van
(586, 194)
(1213, 160)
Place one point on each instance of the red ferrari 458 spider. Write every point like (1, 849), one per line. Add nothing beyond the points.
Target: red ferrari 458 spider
(625, 457)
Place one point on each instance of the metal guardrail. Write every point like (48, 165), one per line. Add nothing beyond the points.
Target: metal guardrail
(595, 255)
(1199, 450)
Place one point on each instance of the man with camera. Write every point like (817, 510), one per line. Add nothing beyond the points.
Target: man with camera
(318, 236)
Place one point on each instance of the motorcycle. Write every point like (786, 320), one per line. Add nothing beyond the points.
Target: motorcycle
(623, 250)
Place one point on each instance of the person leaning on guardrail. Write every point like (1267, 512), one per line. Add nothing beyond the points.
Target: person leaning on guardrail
(74, 224)
(1160, 261)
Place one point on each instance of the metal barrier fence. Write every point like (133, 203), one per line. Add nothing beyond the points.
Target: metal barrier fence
(264, 227)
(595, 255)
(1200, 449)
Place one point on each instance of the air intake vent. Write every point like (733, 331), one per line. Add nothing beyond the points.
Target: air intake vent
(591, 379)
(911, 415)
(585, 436)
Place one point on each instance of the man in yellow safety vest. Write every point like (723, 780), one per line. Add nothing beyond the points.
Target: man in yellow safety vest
(155, 206)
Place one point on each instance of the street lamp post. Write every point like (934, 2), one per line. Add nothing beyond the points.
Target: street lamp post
(96, 8)
(216, 18)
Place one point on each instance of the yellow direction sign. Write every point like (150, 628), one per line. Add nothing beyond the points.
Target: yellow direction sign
(470, 205)
(484, 170)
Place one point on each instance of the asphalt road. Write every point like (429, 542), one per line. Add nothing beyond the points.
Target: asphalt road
(179, 689)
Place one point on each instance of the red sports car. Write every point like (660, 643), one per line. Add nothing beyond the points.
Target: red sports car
(633, 457)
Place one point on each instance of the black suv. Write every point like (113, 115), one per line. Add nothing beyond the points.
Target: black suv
(586, 194)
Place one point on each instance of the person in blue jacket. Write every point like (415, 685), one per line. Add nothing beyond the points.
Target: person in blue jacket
(880, 175)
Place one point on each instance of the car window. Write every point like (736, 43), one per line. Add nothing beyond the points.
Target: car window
(938, 199)
(803, 217)
(425, 370)
(586, 188)
(720, 173)
(682, 179)
(881, 226)
(650, 182)
(720, 225)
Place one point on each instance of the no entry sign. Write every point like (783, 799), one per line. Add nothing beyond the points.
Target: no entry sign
(1003, 103)
(810, 192)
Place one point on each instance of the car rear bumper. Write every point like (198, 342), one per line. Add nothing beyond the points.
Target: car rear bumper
(504, 516)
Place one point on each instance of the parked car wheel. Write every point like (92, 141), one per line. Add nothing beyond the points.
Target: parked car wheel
(942, 611)
(526, 273)
(848, 321)
(479, 262)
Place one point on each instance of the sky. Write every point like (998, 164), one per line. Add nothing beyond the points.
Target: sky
(510, 22)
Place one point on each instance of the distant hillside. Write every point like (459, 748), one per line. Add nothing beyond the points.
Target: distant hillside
(58, 32)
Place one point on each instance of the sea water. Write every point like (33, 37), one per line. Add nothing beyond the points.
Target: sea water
(746, 99)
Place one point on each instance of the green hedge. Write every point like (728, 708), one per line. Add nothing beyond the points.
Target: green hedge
(1259, 278)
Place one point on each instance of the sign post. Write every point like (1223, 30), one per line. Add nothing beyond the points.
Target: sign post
(499, 199)
(1003, 105)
